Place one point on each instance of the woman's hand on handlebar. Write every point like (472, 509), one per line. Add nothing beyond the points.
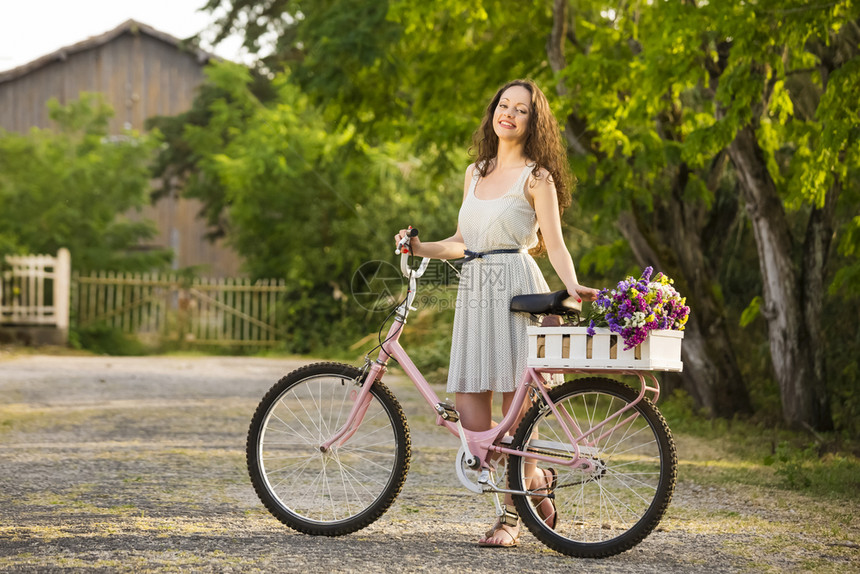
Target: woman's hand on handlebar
(414, 242)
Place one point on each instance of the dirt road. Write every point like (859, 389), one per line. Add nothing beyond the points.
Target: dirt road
(137, 464)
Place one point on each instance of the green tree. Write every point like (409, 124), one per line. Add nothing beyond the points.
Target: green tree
(184, 164)
(74, 187)
(716, 137)
(690, 108)
(298, 196)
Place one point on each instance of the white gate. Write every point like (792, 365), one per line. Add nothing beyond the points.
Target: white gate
(34, 291)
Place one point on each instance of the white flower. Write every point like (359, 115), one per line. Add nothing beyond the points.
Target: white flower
(637, 320)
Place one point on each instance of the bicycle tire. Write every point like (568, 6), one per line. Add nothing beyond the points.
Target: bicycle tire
(344, 489)
(614, 507)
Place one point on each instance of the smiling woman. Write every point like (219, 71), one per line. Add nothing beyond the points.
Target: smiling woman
(513, 197)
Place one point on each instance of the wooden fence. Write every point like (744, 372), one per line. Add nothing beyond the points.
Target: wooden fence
(34, 291)
(200, 311)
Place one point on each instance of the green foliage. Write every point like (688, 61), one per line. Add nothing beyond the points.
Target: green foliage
(790, 464)
(417, 74)
(664, 89)
(192, 139)
(604, 258)
(842, 309)
(106, 340)
(751, 312)
(364, 125)
(75, 187)
(428, 340)
(805, 468)
(304, 198)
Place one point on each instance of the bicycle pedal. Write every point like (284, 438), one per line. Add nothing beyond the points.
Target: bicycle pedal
(447, 412)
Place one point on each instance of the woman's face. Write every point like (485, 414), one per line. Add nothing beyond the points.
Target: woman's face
(512, 115)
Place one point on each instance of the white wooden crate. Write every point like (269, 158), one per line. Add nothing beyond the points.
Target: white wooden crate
(572, 348)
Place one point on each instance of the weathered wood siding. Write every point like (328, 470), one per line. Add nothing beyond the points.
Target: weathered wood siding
(179, 228)
(139, 75)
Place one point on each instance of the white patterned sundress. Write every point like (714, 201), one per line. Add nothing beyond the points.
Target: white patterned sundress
(489, 346)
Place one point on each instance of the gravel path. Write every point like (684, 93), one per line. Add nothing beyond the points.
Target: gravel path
(137, 464)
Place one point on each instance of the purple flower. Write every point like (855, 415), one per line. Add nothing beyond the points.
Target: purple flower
(646, 275)
(638, 306)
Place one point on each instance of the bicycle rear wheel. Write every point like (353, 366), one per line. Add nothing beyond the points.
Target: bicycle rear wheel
(349, 486)
(616, 504)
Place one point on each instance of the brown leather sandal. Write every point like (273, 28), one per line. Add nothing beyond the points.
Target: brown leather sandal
(510, 519)
(549, 516)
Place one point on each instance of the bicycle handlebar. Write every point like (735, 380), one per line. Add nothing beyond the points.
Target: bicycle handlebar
(403, 245)
(404, 249)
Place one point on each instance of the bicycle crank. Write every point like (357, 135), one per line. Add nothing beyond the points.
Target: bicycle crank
(464, 472)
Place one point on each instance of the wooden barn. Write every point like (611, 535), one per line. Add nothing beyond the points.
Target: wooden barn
(142, 73)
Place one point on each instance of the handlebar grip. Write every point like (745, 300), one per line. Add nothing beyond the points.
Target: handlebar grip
(401, 245)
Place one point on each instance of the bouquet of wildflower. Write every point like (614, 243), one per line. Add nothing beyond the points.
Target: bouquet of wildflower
(636, 307)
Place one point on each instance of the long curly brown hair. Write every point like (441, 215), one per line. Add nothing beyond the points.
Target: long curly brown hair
(543, 146)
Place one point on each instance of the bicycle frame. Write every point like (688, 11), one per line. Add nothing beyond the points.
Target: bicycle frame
(479, 443)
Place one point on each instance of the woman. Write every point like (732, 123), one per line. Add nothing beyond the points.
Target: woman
(513, 197)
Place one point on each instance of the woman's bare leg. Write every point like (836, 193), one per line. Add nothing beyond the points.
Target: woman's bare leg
(531, 467)
(476, 410)
(476, 414)
(535, 478)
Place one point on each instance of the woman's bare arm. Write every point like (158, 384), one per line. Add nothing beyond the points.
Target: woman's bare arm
(546, 207)
(448, 248)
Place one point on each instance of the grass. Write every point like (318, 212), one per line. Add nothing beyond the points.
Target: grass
(24, 418)
(758, 454)
(790, 498)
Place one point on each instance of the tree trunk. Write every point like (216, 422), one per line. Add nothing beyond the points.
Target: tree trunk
(711, 374)
(816, 248)
(792, 339)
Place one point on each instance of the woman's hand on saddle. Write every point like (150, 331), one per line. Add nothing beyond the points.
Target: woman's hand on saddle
(414, 244)
(583, 293)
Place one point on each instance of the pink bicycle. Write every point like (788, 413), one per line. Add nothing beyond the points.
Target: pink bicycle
(328, 448)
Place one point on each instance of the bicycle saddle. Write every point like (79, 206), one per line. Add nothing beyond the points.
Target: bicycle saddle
(556, 303)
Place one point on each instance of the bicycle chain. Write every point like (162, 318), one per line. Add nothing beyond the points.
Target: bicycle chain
(555, 454)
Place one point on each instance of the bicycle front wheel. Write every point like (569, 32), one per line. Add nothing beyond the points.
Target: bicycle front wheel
(617, 501)
(351, 484)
